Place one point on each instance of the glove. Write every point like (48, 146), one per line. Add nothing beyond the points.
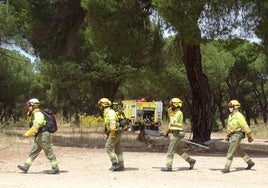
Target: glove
(250, 139)
(227, 138)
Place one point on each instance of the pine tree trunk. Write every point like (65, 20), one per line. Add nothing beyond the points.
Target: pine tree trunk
(200, 110)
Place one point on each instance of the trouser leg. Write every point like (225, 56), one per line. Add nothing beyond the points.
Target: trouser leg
(109, 148)
(173, 143)
(245, 157)
(34, 152)
(184, 155)
(114, 150)
(45, 143)
(118, 150)
(235, 141)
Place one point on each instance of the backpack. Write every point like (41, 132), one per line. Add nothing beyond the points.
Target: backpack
(51, 123)
(123, 121)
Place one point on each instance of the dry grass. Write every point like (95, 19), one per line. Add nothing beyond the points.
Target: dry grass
(69, 135)
(95, 138)
(260, 131)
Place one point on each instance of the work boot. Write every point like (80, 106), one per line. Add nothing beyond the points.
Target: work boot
(166, 169)
(192, 162)
(250, 165)
(24, 168)
(121, 166)
(225, 170)
(55, 170)
(114, 167)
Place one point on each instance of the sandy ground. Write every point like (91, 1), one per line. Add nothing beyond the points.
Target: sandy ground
(85, 167)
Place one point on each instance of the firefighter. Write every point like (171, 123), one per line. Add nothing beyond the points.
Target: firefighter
(114, 135)
(237, 128)
(42, 139)
(175, 128)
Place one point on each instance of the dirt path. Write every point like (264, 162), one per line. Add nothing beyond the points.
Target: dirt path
(83, 167)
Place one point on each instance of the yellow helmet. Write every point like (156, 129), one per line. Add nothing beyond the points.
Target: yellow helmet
(33, 102)
(176, 102)
(117, 105)
(104, 102)
(234, 104)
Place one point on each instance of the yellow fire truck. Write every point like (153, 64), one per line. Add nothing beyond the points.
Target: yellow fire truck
(143, 114)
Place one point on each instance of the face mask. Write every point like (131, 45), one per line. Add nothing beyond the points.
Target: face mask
(231, 109)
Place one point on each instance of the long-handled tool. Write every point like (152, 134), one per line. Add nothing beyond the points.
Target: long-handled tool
(159, 134)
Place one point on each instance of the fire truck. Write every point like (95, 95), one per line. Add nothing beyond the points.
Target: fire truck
(143, 114)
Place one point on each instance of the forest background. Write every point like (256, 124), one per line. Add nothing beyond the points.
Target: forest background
(88, 49)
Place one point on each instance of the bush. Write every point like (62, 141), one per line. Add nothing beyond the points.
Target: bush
(91, 122)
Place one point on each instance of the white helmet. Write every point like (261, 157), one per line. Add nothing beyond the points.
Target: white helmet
(33, 102)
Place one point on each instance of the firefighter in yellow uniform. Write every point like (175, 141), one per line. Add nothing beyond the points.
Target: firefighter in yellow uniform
(237, 128)
(42, 140)
(114, 133)
(175, 128)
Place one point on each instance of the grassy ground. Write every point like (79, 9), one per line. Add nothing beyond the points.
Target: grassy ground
(73, 136)
(260, 131)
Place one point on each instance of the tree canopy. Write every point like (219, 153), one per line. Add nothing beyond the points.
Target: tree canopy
(90, 49)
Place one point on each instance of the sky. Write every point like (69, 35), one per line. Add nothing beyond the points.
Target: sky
(16, 48)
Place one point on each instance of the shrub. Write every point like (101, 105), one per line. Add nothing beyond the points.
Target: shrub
(91, 122)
